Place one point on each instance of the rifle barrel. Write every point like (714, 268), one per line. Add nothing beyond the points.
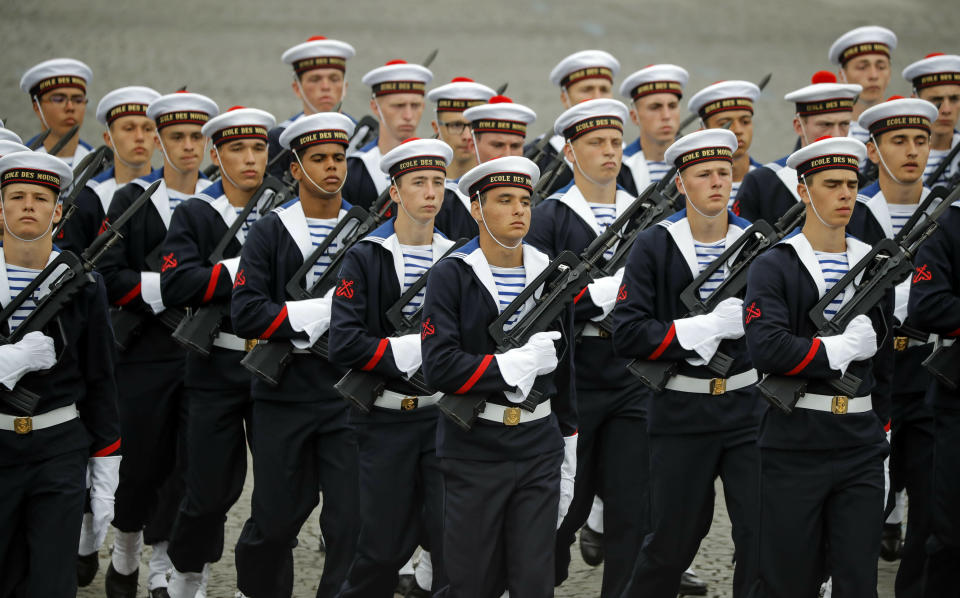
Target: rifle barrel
(62, 143)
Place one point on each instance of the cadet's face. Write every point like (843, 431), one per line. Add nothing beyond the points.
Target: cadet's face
(421, 193)
(325, 163)
(244, 162)
(708, 185)
(29, 209)
(810, 128)
(598, 154)
(905, 153)
(133, 139)
(498, 145)
(588, 89)
(872, 72)
(947, 97)
(657, 115)
(454, 130)
(184, 145)
(321, 88)
(833, 193)
(62, 108)
(506, 210)
(400, 111)
(741, 124)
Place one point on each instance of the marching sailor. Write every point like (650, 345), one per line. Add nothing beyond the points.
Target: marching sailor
(58, 93)
(862, 57)
(936, 79)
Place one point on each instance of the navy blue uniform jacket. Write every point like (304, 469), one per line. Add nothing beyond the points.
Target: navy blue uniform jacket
(765, 194)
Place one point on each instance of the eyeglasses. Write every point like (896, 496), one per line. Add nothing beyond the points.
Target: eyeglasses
(62, 98)
(456, 127)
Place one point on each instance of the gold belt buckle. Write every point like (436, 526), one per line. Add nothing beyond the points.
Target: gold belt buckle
(718, 386)
(839, 404)
(409, 403)
(249, 344)
(511, 416)
(900, 343)
(23, 425)
(602, 333)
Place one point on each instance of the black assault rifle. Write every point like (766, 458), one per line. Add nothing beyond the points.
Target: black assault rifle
(202, 324)
(363, 388)
(882, 269)
(39, 140)
(62, 143)
(71, 274)
(562, 279)
(88, 167)
(737, 258)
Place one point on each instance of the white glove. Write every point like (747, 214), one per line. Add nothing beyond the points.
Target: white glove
(603, 293)
(568, 475)
(901, 296)
(311, 316)
(521, 366)
(858, 342)
(231, 265)
(34, 352)
(104, 478)
(150, 291)
(702, 334)
(406, 353)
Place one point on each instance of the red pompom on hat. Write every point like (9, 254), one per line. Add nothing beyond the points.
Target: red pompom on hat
(500, 100)
(894, 97)
(823, 137)
(232, 108)
(823, 77)
(409, 139)
(397, 61)
(462, 80)
(932, 54)
(316, 38)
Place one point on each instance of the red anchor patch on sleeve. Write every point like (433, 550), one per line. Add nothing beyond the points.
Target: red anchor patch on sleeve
(345, 289)
(240, 280)
(426, 329)
(753, 312)
(169, 261)
(622, 295)
(922, 274)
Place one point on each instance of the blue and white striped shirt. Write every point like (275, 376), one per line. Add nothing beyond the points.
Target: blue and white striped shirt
(657, 170)
(707, 253)
(735, 187)
(857, 132)
(251, 218)
(510, 283)
(900, 213)
(605, 214)
(833, 266)
(319, 229)
(417, 259)
(175, 198)
(18, 278)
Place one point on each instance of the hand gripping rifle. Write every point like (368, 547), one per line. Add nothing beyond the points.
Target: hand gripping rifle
(269, 360)
(71, 274)
(85, 170)
(363, 388)
(882, 269)
(740, 255)
(562, 279)
(201, 325)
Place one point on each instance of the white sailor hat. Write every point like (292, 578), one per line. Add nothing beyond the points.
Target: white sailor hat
(8, 135)
(591, 115)
(55, 74)
(500, 115)
(706, 145)
(398, 76)
(586, 64)
(508, 171)
(655, 78)
(827, 153)
(936, 69)
(323, 127)
(723, 96)
(35, 168)
(239, 122)
(870, 39)
(458, 95)
(416, 154)
(126, 101)
(181, 108)
(318, 52)
(8, 147)
(824, 95)
(899, 113)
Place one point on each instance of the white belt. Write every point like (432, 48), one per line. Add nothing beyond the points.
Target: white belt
(594, 330)
(25, 425)
(835, 404)
(395, 401)
(225, 340)
(512, 416)
(712, 386)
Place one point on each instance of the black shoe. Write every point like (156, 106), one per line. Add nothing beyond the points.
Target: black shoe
(691, 585)
(120, 586)
(891, 542)
(416, 591)
(87, 566)
(159, 593)
(591, 546)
